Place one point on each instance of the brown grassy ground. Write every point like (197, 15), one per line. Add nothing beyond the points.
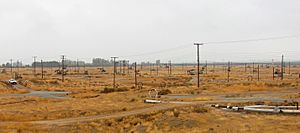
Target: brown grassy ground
(87, 98)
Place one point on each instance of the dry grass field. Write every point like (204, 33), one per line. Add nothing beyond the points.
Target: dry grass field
(89, 103)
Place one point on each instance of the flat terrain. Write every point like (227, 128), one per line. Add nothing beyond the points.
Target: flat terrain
(87, 102)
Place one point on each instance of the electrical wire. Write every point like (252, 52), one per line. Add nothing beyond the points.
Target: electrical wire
(217, 42)
(157, 52)
(255, 40)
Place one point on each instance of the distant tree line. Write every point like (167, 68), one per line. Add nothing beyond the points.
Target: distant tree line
(101, 62)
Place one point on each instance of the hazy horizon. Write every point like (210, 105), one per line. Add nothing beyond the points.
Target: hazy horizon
(140, 30)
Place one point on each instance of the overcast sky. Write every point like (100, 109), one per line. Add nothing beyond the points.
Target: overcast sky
(103, 28)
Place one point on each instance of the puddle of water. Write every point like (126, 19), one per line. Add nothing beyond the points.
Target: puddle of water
(45, 94)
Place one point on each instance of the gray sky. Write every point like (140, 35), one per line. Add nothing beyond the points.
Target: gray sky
(103, 28)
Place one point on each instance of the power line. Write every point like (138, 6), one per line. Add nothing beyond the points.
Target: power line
(217, 42)
(255, 40)
(158, 52)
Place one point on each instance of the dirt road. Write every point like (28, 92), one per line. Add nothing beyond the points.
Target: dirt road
(157, 107)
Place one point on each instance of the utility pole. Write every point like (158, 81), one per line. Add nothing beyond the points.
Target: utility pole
(83, 66)
(282, 63)
(214, 67)
(182, 66)
(150, 67)
(289, 67)
(228, 71)
(135, 77)
(198, 63)
(42, 66)
(124, 66)
(63, 69)
(77, 66)
(157, 69)
(120, 66)
(128, 66)
(273, 69)
(18, 69)
(258, 78)
(206, 67)
(273, 73)
(170, 65)
(245, 67)
(11, 68)
(114, 78)
(51, 66)
(34, 65)
(253, 68)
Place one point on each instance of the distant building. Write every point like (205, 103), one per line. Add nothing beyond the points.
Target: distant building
(47, 64)
(158, 62)
(101, 62)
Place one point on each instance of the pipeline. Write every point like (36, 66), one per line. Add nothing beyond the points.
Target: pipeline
(152, 101)
(263, 109)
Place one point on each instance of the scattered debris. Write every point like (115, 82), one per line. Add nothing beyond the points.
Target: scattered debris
(263, 108)
(191, 72)
(12, 82)
(152, 101)
(153, 93)
(3, 71)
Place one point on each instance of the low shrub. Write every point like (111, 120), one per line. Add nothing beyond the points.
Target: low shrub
(164, 92)
(110, 90)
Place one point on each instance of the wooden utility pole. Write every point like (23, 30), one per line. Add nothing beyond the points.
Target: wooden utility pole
(289, 67)
(63, 68)
(228, 71)
(198, 63)
(42, 67)
(11, 68)
(245, 67)
(18, 69)
(135, 76)
(77, 66)
(253, 68)
(258, 78)
(128, 66)
(124, 66)
(282, 63)
(273, 73)
(170, 65)
(114, 77)
(150, 67)
(214, 67)
(83, 66)
(34, 65)
(157, 65)
(120, 66)
(206, 67)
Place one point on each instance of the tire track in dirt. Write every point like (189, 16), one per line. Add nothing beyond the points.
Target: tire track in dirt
(157, 107)
(69, 121)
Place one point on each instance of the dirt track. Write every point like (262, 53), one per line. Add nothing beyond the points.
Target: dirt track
(156, 107)
(68, 121)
